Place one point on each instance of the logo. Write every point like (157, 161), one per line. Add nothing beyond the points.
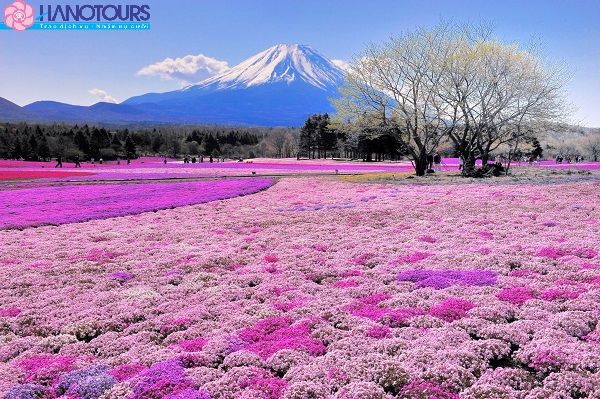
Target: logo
(18, 16)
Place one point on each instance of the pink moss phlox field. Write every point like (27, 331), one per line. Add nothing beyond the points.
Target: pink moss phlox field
(76, 203)
(271, 335)
(397, 296)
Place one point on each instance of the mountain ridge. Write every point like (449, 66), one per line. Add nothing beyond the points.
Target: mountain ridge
(280, 86)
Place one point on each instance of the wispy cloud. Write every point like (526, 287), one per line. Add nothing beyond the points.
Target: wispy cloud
(188, 69)
(103, 96)
(341, 64)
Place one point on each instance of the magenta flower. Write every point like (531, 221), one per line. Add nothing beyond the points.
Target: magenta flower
(18, 16)
(439, 279)
(127, 371)
(193, 345)
(269, 386)
(516, 295)
(486, 235)
(276, 333)
(452, 309)
(10, 312)
(429, 239)
(271, 258)
(379, 332)
(400, 317)
(551, 253)
(412, 258)
(559, 295)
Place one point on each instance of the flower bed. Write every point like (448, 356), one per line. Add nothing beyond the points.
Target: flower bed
(76, 203)
(413, 291)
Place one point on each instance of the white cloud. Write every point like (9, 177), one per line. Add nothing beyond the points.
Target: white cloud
(103, 96)
(191, 68)
(341, 64)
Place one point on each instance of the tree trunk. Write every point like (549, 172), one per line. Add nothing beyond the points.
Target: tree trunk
(420, 163)
(469, 165)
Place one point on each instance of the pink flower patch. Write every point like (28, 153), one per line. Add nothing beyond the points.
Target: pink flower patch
(428, 239)
(193, 345)
(271, 335)
(590, 266)
(586, 253)
(354, 273)
(363, 259)
(412, 258)
(400, 317)
(271, 258)
(516, 295)
(345, 284)
(452, 309)
(10, 312)
(40, 264)
(426, 389)
(486, 235)
(269, 385)
(126, 371)
(18, 16)
(551, 253)
(548, 360)
(46, 369)
(559, 295)
(523, 273)
(379, 332)
(97, 255)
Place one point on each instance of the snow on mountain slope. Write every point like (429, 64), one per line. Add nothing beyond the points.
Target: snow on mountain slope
(281, 63)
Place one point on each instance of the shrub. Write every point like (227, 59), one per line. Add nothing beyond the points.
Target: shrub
(88, 383)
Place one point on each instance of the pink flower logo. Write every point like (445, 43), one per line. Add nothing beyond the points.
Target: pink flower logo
(18, 16)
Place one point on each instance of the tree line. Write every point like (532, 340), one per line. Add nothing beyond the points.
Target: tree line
(455, 87)
(39, 142)
(319, 138)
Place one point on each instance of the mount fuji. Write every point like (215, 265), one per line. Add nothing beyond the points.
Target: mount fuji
(282, 85)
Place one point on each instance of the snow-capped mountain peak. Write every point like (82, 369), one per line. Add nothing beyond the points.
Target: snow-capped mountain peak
(279, 64)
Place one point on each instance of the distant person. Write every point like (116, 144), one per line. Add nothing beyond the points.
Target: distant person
(461, 162)
(118, 161)
(498, 160)
(165, 161)
(211, 159)
(77, 163)
(437, 162)
(429, 161)
(100, 161)
(201, 158)
(58, 162)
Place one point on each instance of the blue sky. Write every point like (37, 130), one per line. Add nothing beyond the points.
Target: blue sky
(66, 65)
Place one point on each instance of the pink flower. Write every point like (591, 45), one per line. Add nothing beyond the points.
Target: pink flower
(379, 332)
(486, 235)
(516, 295)
(271, 258)
(18, 16)
(452, 309)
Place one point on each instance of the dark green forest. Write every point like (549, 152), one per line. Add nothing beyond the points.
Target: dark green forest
(35, 142)
(316, 139)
